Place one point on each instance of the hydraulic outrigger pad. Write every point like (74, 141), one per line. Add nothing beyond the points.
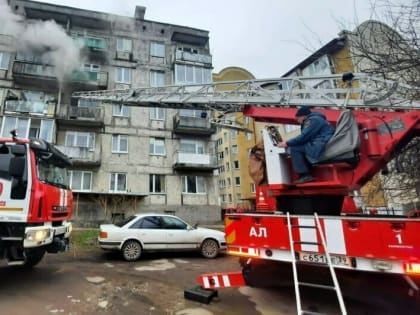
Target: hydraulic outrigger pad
(206, 291)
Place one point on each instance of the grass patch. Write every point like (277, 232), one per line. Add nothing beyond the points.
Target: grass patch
(84, 238)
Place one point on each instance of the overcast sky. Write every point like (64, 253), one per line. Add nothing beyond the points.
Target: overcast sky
(266, 37)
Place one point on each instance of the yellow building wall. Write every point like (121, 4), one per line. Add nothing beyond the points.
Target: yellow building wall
(241, 195)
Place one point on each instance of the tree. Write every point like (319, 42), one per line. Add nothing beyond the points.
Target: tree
(390, 47)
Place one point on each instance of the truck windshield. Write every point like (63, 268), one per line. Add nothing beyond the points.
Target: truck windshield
(52, 174)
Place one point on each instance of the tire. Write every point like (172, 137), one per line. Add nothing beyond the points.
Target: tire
(209, 248)
(131, 250)
(33, 257)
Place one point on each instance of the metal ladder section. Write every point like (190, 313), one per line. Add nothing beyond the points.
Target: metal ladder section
(296, 281)
(331, 91)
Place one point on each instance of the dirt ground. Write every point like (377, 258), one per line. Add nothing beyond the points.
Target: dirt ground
(96, 282)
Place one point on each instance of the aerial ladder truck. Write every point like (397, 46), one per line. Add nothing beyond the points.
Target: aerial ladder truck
(317, 222)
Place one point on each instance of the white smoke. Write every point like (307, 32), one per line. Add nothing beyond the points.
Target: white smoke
(45, 38)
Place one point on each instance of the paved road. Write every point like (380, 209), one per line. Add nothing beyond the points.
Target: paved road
(96, 282)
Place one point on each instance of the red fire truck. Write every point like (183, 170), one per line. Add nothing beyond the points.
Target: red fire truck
(35, 200)
(317, 222)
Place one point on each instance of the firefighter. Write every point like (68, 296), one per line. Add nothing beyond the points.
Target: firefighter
(307, 148)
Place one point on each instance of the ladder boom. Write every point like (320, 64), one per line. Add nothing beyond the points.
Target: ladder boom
(361, 91)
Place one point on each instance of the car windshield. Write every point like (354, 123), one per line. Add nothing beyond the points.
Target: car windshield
(52, 174)
(125, 221)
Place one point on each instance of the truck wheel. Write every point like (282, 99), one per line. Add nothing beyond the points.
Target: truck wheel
(131, 250)
(209, 248)
(33, 257)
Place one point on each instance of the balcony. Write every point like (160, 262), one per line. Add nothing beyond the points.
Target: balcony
(81, 116)
(192, 161)
(34, 74)
(90, 79)
(31, 107)
(95, 47)
(82, 156)
(190, 57)
(193, 125)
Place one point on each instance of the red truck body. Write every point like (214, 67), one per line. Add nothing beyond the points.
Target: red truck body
(35, 200)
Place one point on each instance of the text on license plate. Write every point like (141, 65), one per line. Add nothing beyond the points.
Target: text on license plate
(320, 258)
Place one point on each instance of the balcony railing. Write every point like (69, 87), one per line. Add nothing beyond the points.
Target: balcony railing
(187, 56)
(97, 78)
(82, 155)
(195, 161)
(195, 125)
(33, 69)
(31, 107)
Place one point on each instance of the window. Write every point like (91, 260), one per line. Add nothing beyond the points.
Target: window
(234, 149)
(80, 139)
(157, 50)
(157, 146)
(156, 183)
(248, 136)
(4, 60)
(191, 146)
(46, 130)
(229, 182)
(233, 134)
(173, 223)
(193, 184)
(80, 180)
(157, 113)
(120, 110)
(124, 44)
(119, 144)
(221, 155)
(246, 120)
(157, 78)
(11, 123)
(236, 164)
(118, 182)
(291, 128)
(252, 188)
(230, 197)
(91, 67)
(148, 223)
(237, 181)
(227, 167)
(192, 74)
(123, 75)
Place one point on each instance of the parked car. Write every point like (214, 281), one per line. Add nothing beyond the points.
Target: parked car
(159, 232)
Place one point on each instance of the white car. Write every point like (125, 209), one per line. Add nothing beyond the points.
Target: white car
(159, 232)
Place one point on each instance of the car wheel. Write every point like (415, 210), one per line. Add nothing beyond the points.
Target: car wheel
(209, 248)
(33, 257)
(131, 250)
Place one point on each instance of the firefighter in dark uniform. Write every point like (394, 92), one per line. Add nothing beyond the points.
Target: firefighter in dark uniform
(307, 148)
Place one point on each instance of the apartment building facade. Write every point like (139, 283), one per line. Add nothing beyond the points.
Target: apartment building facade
(126, 159)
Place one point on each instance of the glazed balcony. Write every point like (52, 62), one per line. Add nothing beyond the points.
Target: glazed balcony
(90, 79)
(31, 107)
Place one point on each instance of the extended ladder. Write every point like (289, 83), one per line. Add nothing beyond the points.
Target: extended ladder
(297, 283)
(337, 91)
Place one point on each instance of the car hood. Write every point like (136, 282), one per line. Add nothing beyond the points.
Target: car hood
(216, 233)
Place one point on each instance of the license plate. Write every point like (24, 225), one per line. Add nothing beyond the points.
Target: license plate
(322, 259)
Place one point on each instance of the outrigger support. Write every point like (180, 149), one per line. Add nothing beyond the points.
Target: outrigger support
(208, 283)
